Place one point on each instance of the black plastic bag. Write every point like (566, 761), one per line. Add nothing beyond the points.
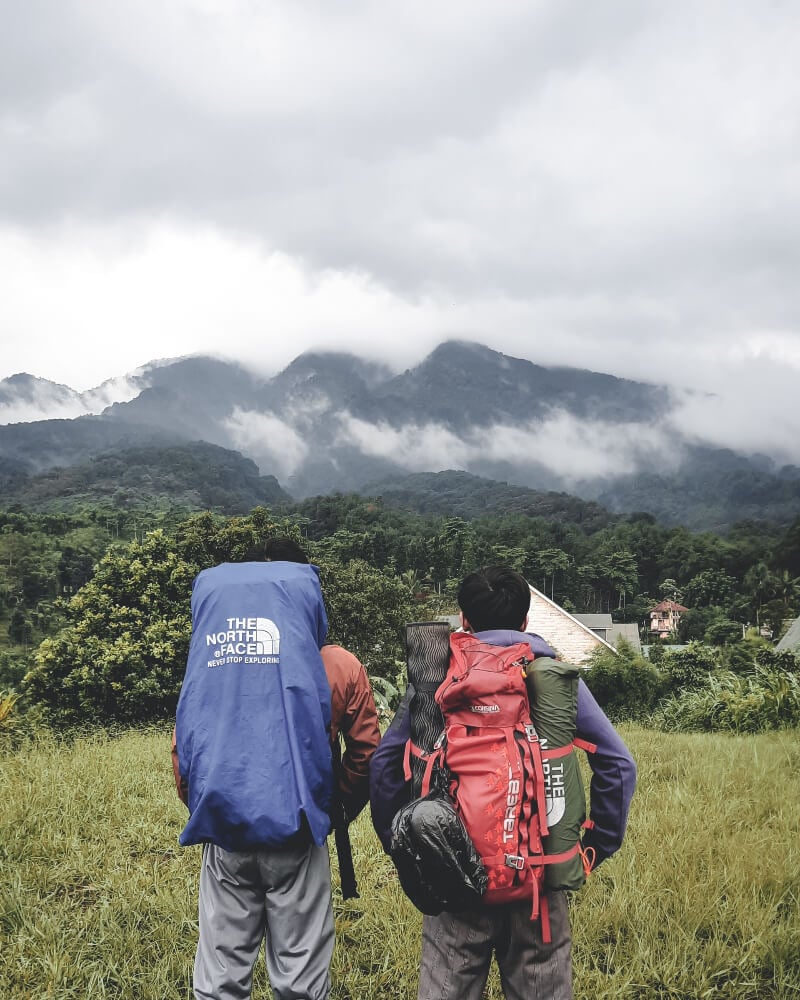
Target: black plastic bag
(436, 861)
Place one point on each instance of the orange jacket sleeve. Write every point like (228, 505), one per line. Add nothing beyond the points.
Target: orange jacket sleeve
(180, 785)
(354, 718)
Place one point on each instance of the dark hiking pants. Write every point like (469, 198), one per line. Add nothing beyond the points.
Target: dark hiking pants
(457, 950)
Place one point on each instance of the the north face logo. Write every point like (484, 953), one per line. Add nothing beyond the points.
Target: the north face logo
(246, 638)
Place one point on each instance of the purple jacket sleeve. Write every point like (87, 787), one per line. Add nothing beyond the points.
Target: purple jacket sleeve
(388, 789)
(613, 778)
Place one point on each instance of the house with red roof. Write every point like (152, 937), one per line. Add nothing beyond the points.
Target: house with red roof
(664, 618)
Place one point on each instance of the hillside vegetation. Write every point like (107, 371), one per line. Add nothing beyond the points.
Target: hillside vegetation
(97, 900)
(459, 494)
(195, 476)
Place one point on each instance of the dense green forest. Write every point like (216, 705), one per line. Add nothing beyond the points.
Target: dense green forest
(47, 558)
(195, 475)
(112, 581)
(592, 562)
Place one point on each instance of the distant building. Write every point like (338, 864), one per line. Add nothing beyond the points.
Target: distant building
(601, 624)
(665, 617)
(571, 638)
(629, 631)
(791, 641)
(611, 631)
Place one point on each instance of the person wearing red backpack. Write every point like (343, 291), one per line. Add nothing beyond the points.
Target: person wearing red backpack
(457, 948)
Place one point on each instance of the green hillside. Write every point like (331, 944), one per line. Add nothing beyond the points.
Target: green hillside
(460, 494)
(196, 475)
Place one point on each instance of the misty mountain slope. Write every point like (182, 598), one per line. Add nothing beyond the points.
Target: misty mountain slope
(25, 388)
(711, 489)
(295, 425)
(325, 380)
(191, 396)
(334, 422)
(462, 380)
(197, 475)
(13, 473)
(44, 444)
(25, 398)
(464, 406)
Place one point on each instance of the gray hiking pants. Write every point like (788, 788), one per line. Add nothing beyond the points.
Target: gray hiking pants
(457, 951)
(283, 894)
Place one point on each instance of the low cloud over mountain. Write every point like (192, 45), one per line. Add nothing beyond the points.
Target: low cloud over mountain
(335, 422)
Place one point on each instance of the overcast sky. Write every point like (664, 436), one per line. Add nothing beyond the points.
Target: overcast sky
(613, 186)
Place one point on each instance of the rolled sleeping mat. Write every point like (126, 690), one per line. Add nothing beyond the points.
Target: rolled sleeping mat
(427, 658)
(553, 696)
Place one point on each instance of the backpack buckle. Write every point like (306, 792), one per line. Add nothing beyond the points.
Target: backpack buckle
(438, 744)
(530, 732)
(515, 861)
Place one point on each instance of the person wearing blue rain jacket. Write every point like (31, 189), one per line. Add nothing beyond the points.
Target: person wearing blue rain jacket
(253, 751)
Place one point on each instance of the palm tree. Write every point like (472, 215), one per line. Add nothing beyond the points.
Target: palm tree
(788, 588)
(762, 584)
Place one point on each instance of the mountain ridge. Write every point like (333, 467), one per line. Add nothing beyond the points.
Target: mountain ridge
(331, 421)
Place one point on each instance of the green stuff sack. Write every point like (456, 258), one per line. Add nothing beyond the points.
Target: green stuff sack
(553, 695)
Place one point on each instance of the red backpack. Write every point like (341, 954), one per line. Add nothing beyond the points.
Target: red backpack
(496, 776)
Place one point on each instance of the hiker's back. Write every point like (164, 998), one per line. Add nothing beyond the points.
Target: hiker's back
(254, 708)
(494, 757)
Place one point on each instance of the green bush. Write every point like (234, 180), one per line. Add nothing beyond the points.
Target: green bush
(741, 657)
(122, 654)
(367, 610)
(723, 632)
(625, 685)
(13, 667)
(774, 659)
(764, 700)
(7, 703)
(689, 668)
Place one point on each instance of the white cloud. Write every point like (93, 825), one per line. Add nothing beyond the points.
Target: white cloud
(418, 448)
(116, 298)
(579, 449)
(778, 346)
(571, 448)
(114, 390)
(47, 401)
(45, 409)
(276, 447)
(608, 186)
(754, 411)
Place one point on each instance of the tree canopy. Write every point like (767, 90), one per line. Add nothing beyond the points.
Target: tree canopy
(121, 654)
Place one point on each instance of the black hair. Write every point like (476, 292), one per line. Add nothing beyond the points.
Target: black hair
(283, 549)
(494, 597)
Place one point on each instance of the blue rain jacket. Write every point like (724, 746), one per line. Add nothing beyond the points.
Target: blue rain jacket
(255, 708)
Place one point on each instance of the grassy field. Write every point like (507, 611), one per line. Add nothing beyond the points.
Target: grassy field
(98, 901)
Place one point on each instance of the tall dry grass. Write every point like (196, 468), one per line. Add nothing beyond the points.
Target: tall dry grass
(98, 901)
